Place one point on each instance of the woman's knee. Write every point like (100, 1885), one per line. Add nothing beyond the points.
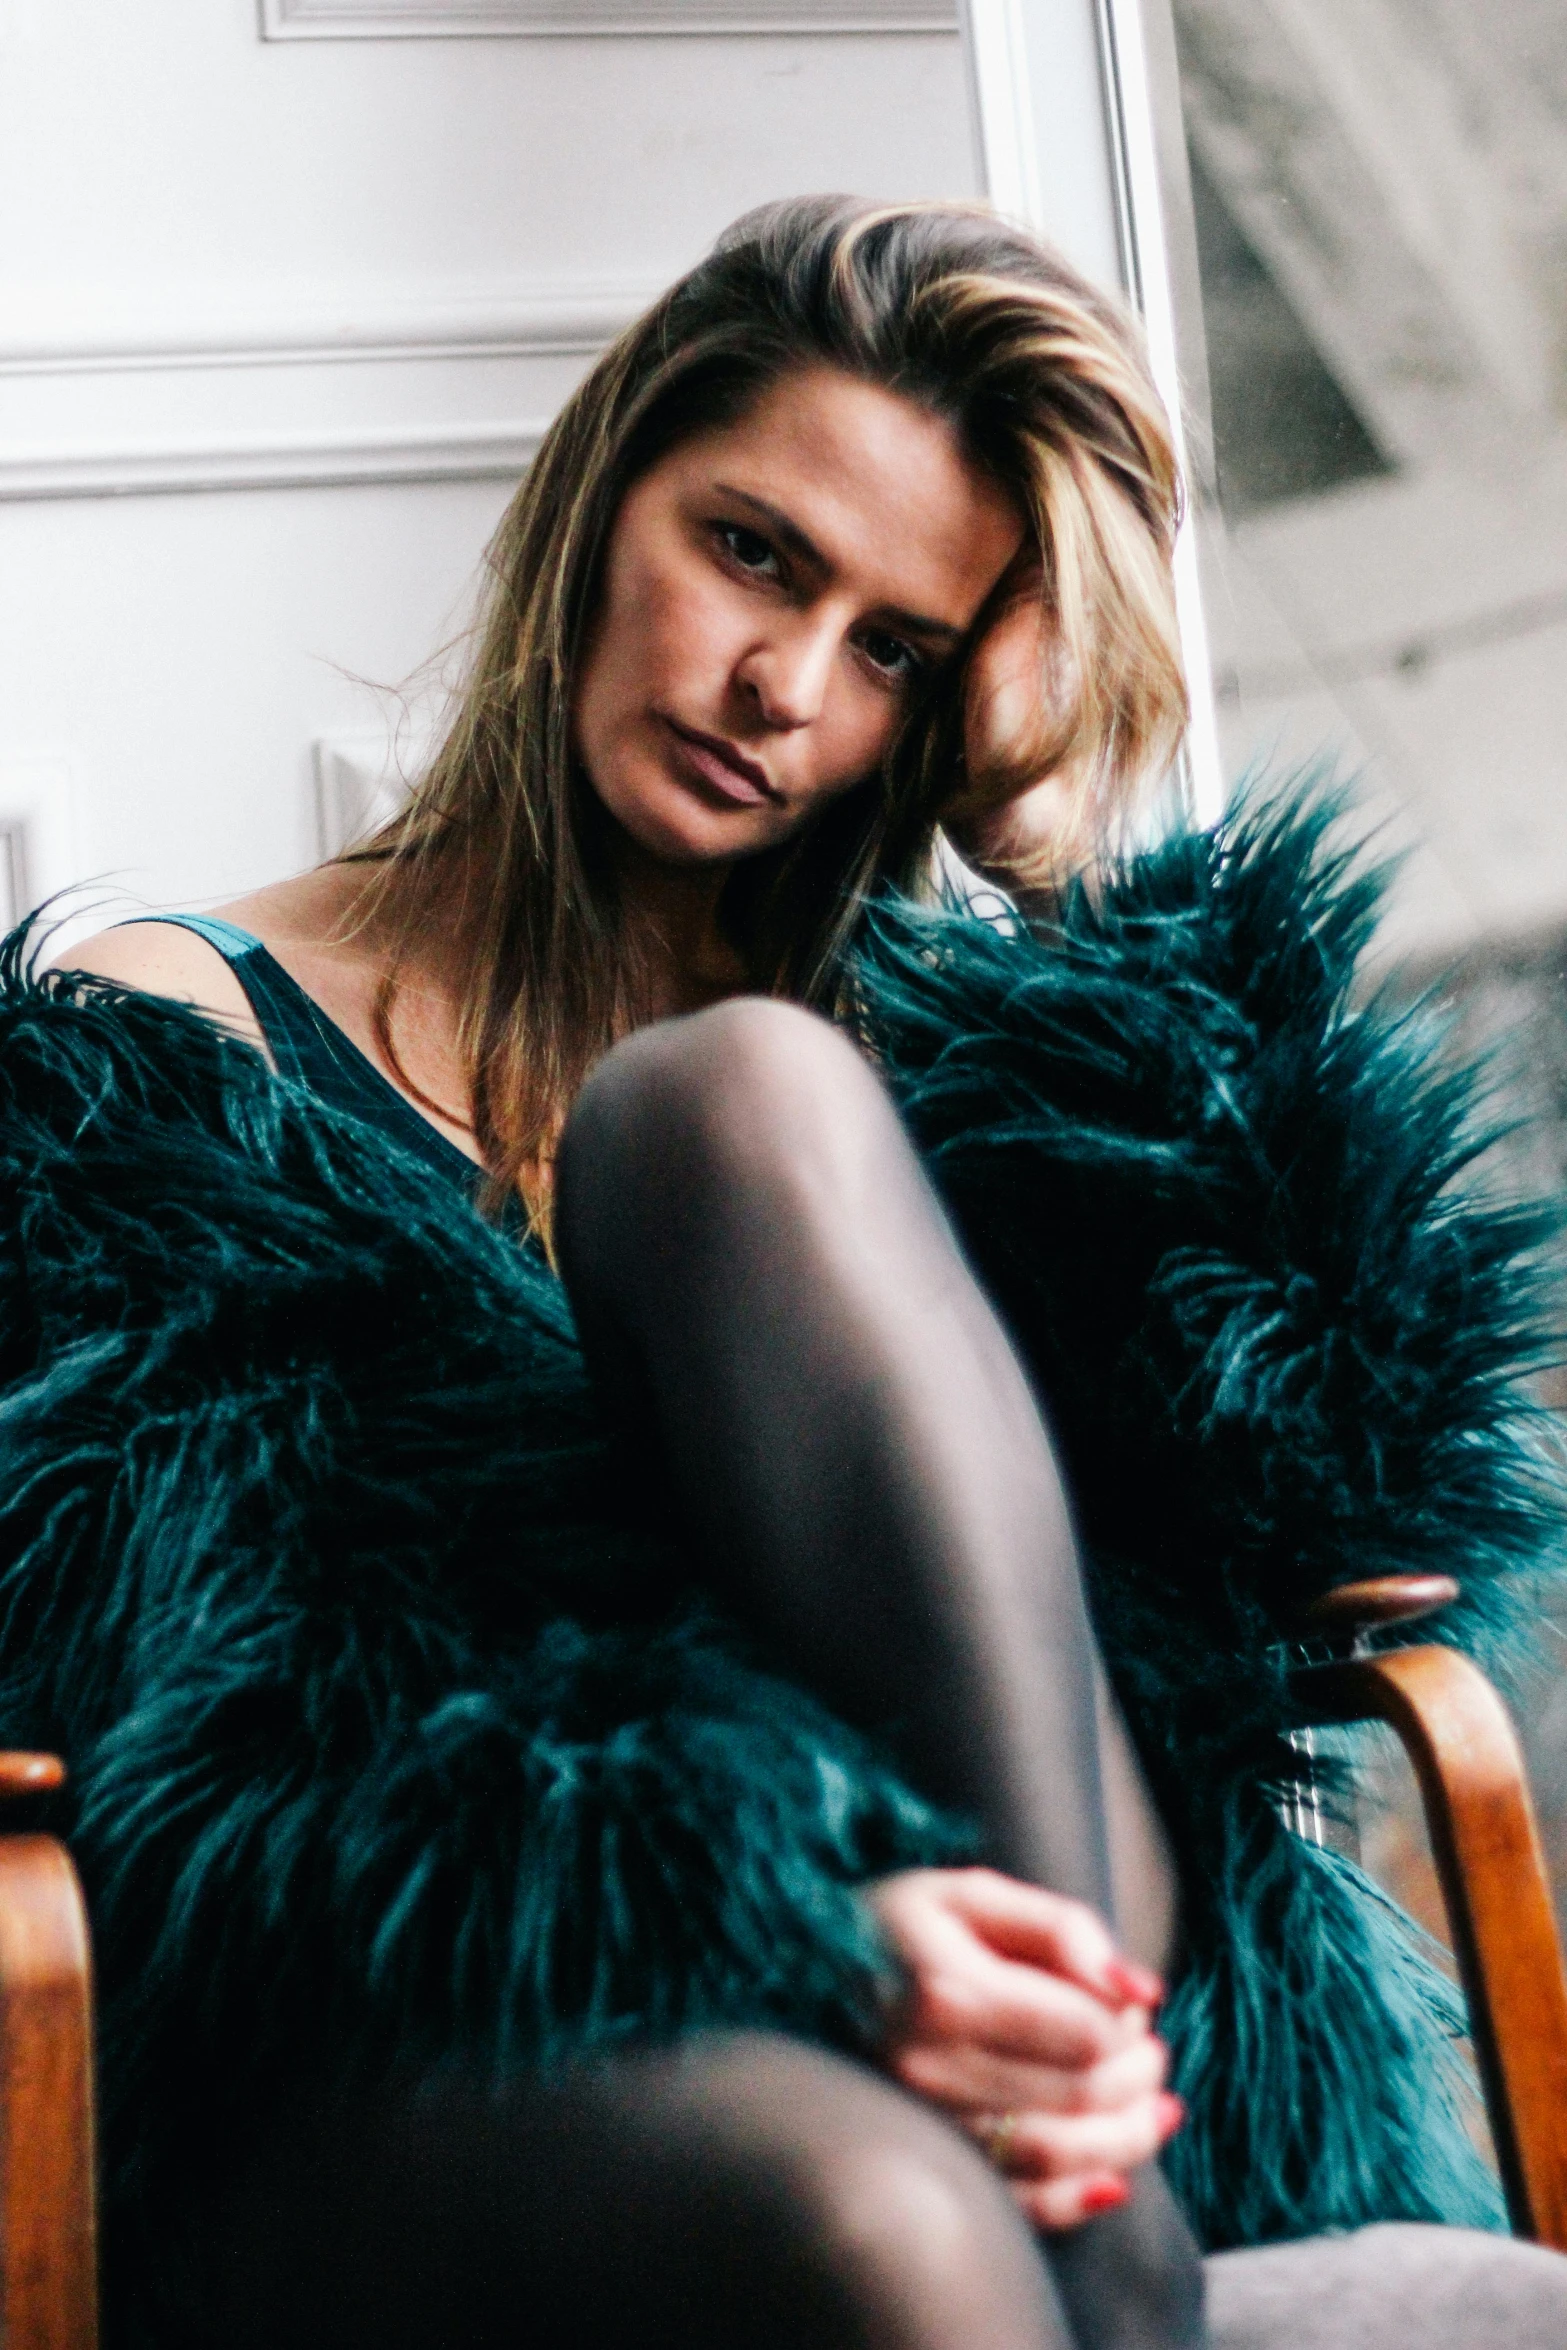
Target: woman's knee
(739, 2192)
(904, 2228)
(717, 1084)
(750, 1097)
(927, 2240)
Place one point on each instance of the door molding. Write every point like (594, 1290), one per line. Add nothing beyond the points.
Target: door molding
(519, 320)
(483, 452)
(392, 20)
(420, 391)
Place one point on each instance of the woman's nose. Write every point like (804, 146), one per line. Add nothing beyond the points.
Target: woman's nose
(787, 675)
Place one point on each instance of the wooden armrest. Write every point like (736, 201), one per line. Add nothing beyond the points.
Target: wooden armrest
(48, 2222)
(1486, 1845)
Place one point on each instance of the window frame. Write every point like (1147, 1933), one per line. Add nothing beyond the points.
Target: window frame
(1075, 107)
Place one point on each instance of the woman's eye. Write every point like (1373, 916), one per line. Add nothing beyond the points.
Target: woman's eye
(890, 655)
(748, 547)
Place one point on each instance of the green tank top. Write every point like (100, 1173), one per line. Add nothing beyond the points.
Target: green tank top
(313, 1051)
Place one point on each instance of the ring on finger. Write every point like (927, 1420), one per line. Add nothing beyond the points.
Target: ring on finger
(997, 2133)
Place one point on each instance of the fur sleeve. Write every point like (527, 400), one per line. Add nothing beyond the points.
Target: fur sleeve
(1231, 1201)
(390, 1738)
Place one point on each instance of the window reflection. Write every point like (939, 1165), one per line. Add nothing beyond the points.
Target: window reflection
(1382, 206)
(1283, 426)
(1380, 190)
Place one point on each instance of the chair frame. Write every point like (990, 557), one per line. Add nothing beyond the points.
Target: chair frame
(1484, 1839)
(1486, 1845)
(48, 2165)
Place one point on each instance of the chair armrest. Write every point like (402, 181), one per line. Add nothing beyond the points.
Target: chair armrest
(1486, 1845)
(48, 2219)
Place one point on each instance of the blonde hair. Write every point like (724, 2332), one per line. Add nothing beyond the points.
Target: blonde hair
(1043, 379)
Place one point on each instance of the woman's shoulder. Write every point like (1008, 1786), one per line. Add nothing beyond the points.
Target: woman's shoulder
(164, 958)
(164, 955)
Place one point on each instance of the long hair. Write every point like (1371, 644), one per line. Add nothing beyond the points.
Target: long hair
(1043, 380)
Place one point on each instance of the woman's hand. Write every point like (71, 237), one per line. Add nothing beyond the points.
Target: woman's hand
(1027, 2026)
(1012, 819)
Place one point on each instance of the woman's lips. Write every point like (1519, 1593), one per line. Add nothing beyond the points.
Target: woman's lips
(724, 770)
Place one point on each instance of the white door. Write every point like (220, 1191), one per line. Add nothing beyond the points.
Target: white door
(286, 297)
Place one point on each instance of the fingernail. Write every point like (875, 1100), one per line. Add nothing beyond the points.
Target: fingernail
(1172, 2111)
(1104, 2195)
(1137, 1983)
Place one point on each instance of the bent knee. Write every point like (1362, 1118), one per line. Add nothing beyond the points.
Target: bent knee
(916, 2224)
(746, 1084)
(751, 1049)
(893, 2207)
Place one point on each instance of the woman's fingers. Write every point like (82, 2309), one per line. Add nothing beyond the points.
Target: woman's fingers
(1027, 2026)
(1068, 2145)
(1000, 1965)
(1034, 2149)
(967, 2078)
(1044, 1929)
(1054, 2204)
(1008, 679)
(1017, 2011)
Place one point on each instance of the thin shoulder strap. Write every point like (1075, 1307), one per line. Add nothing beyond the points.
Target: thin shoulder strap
(300, 1038)
(227, 937)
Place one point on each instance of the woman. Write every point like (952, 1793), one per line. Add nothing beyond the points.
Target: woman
(865, 528)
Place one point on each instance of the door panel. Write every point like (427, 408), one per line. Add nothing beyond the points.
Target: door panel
(280, 323)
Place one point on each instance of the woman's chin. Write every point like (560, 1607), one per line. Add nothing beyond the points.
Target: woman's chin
(674, 828)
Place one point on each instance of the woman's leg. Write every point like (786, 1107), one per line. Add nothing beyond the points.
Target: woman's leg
(739, 2193)
(774, 1303)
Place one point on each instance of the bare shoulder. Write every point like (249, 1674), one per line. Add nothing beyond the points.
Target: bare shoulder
(160, 958)
(295, 920)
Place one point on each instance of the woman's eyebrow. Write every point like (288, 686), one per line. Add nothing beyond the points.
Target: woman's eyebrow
(805, 550)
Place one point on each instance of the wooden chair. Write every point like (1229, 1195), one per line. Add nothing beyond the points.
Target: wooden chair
(1486, 1845)
(1483, 1836)
(48, 2219)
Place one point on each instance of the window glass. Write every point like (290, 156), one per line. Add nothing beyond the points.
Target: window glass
(1381, 196)
(1380, 189)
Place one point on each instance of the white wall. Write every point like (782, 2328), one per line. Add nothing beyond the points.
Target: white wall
(358, 276)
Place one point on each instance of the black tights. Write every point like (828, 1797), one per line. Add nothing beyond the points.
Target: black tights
(766, 1286)
(775, 1308)
(774, 1305)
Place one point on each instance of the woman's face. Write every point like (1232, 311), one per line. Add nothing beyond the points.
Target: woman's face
(774, 593)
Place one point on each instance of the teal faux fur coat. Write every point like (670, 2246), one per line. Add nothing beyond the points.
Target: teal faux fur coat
(391, 1740)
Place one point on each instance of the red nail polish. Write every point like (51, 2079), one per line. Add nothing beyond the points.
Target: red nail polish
(1104, 2195)
(1172, 2111)
(1138, 1984)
